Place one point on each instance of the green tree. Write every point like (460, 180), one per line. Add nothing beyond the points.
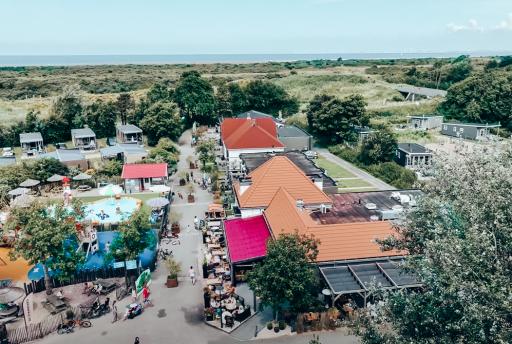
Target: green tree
(125, 105)
(394, 174)
(378, 147)
(159, 92)
(56, 129)
(270, 98)
(459, 240)
(483, 97)
(333, 120)
(287, 275)
(134, 237)
(68, 107)
(230, 100)
(111, 168)
(100, 116)
(194, 95)
(42, 169)
(206, 152)
(47, 237)
(32, 122)
(162, 119)
(165, 151)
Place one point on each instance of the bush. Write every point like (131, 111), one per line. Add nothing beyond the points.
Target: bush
(394, 174)
(270, 325)
(282, 325)
(346, 153)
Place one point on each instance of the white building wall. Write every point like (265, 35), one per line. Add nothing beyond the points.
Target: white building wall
(249, 212)
(233, 155)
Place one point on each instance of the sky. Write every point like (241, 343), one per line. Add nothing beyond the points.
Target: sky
(64, 27)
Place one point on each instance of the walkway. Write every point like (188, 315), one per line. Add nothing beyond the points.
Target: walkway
(377, 183)
(177, 316)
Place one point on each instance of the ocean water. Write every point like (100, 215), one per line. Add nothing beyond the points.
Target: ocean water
(74, 60)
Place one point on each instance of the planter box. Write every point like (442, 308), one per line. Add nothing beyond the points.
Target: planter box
(183, 182)
(175, 228)
(171, 282)
(192, 166)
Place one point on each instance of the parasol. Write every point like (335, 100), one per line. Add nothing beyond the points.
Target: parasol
(82, 176)
(30, 183)
(10, 294)
(55, 178)
(110, 190)
(18, 191)
(160, 188)
(23, 201)
(158, 202)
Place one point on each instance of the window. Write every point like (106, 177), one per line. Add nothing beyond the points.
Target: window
(454, 129)
(445, 127)
(461, 130)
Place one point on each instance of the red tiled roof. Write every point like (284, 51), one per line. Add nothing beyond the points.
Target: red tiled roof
(134, 171)
(276, 173)
(240, 133)
(338, 241)
(246, 238)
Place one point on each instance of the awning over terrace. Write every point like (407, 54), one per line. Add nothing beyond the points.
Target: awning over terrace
(360, 276)
(246, 238)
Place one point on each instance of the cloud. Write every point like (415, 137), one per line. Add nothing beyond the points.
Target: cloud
(505, 24)
(471, 25)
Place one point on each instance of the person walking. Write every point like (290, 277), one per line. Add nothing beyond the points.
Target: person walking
(192, 274)
(137, 340)
(114, 312)
(196, 222)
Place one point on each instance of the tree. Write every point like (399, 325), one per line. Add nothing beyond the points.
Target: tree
(269, 98)
(378, 147)
(230, 100)
(394, 174)
(125, 106)
(111, 168)
(56, 129)
(100, 116)
(68, 108)
(47, 237)
(459, 240)
(287, 275)
(42, 169)
(194, 95)
(134, 237)
(333, 120)
(161, 120)
(158, 92)
(483, 97)
(206, 152)
(165, 151)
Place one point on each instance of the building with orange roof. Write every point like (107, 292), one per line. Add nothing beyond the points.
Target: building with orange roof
(255, 191)
(247, 135)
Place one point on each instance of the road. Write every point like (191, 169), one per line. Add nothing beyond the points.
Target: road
(177, 316)
(377, 183)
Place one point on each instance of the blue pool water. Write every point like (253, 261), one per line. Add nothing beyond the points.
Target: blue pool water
(127, 206)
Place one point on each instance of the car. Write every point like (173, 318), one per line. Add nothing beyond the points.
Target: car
(7, 152)
(61, 145)
(311, 154)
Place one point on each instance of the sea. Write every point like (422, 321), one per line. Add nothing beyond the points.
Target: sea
(76, 60)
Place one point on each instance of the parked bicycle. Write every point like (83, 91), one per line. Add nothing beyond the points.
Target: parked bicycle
(164, 253)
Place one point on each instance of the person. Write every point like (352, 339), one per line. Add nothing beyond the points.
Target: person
(60, 294)
(145, 296)
(107, 246)
(106, 304)
(137, 340)
(196, 222)
(114, 312)
(192, 274)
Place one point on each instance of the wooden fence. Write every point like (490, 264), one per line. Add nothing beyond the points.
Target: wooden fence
(39, 330)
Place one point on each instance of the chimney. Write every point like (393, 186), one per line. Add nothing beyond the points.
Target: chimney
(300, 204)
(319, 182)
(245, 183)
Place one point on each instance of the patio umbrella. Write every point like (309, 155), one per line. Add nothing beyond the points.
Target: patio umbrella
(160, 188)
(158, 202)
(23, 201)
(10, 294)
(82, 176)
(55, 178)
(18, 191)
(30, 183)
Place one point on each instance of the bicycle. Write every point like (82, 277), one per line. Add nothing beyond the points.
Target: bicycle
(80, 323)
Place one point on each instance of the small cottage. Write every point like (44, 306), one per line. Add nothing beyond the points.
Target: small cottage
(84, 139)
(413, 155)
(31, 143)
(128, 133)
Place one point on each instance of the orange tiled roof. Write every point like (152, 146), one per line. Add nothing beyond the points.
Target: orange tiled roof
(337, 241)
(273, 174)
(241, 133)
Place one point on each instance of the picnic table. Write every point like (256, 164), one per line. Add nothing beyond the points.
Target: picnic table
(54, 305)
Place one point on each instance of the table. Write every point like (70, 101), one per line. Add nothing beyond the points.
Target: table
(218, 252)
(213, 246)
(213, 281)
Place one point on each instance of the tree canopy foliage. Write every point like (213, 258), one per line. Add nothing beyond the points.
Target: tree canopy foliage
(162, 119)
(334, 120)
(194, 95)
(460, 244)
(378, 147)
(267, 97)
(286, 275)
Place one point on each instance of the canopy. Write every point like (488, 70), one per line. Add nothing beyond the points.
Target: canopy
(360, 276)
(82, 176)
(160, 188)
(246, 238)
(111, 190)
(55, 178)
(158, 202)
(10, 294)
(18, 191)
(23, 201)
(30, 183)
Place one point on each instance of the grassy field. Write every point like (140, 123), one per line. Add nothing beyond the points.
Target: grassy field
(333, 170)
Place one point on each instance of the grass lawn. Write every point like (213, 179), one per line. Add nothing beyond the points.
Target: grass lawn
(356, 190)
(352, 183)
(333, 170)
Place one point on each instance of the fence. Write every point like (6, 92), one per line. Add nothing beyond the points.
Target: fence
(39, 330)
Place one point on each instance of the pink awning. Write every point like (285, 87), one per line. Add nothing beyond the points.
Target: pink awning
(246, 238)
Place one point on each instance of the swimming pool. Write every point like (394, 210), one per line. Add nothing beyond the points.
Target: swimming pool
(110, 210)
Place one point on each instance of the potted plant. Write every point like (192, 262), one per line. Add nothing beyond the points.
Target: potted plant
(281, 325)
(174, 219)
(174, 269)
(191, 188)
(276, 329)
(191, 163)
(183, 178)
(209, 314)
(270, 325)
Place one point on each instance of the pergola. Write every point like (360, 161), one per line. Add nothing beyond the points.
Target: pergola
(362, 276)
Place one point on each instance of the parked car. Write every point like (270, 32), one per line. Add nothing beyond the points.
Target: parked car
(61, 145)
(311, 154)
(7, 152)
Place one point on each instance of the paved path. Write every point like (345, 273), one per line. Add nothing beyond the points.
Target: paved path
(177, 316)
(377, 183)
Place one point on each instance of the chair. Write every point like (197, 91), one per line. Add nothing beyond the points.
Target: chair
(230, 321)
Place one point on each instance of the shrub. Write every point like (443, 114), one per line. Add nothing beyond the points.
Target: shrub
(270, 325)
(282, 325)
(394, 174)
(276, 329)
